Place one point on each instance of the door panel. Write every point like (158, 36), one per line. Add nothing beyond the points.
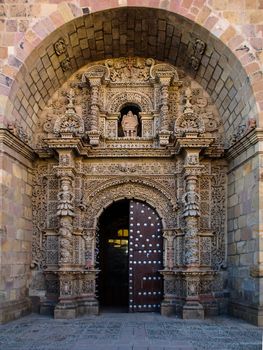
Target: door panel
(145, 258)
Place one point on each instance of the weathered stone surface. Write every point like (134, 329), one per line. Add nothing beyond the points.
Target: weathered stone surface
(229, 70)
(15, 232)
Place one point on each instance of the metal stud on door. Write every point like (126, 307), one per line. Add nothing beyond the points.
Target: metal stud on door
(145, 258)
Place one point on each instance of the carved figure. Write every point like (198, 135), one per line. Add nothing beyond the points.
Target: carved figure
(130, 124)
(251, 124)
(191, 203)
(66, 65)
(65, 206)
(60, 47)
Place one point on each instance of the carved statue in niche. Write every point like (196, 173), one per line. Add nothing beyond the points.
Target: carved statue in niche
(130, 124)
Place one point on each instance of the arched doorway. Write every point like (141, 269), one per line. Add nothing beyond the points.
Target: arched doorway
(130, 257)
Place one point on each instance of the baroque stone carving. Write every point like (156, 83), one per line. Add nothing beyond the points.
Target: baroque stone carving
(65, 199)
(118, 100)
(71, 123)
(65, 234)
(39, 211)
(60, 46)
(169, 236)
(162, 168)
(189, 122)
(218, 214)
(197, 50)
(133, 69)
(191, 203)
(242, 130)
(165, 71)
(123, 189)
(20, 132)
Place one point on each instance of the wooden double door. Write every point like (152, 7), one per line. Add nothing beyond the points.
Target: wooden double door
(130, 257)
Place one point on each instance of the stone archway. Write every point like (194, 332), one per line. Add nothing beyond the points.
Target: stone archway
(146, 191)
(131, 188)
(207, 59)
(181, 41)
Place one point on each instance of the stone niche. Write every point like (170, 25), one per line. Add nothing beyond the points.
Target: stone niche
(169, 154)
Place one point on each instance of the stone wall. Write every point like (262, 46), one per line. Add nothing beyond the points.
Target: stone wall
(15, 228)
(243, 234)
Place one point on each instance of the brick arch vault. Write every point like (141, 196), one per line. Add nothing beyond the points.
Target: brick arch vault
(227, 68)
(223, 69)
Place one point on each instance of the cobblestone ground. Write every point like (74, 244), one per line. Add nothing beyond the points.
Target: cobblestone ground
(111, 331)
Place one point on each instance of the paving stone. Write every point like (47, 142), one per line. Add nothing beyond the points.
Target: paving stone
(108, 332)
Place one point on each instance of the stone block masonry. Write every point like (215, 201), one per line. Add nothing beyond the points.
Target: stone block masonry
(15, 229)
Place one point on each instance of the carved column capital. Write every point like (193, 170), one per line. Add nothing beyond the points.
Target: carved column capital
(165, 81)
(65, 172)
(165, 77)
(94, 75)
(192, 170)
(94, 81)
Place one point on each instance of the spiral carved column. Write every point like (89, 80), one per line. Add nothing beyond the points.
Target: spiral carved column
(66, 307)
(94, 134)
(165, 81)
(191, 213)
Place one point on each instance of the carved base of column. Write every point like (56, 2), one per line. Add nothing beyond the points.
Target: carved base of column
(79, 308)
(88, 307)
(168, 308)
(66, 311)
(164, 137)
(94, 138)
(193, 310)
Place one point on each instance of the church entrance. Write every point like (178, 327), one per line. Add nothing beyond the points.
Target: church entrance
(130, 257)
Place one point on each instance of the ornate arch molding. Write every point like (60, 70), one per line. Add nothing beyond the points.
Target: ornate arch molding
(137, 188)
(136, 97)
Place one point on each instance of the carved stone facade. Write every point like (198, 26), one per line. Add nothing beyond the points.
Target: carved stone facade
(172, 159)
